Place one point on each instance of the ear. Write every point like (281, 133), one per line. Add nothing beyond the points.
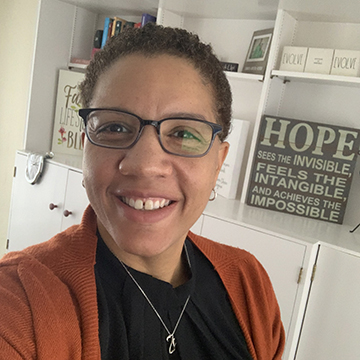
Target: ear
(222, 153)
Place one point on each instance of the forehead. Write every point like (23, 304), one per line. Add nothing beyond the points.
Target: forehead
(163, 83)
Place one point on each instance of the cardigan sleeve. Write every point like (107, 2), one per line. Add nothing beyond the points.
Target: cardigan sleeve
(38, 318)
(251, 295)
(256, 307)
(16, 328)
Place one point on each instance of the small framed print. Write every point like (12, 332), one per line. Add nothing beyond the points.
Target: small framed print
(258, 53)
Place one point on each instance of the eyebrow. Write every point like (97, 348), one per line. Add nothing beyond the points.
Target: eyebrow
(190, 115)
(186, 115)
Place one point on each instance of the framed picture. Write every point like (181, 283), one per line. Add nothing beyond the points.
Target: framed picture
(258, 53)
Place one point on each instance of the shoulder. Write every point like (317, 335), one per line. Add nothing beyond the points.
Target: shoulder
(45, 252)
(77, 243)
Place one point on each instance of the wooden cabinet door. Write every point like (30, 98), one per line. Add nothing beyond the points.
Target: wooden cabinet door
(31, 220)
(281, 258)
(331, 326)
(76, 200)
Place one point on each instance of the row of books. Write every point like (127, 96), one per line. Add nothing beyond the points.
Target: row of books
(114, 26)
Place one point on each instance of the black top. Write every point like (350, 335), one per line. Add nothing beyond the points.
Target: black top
(130, 330)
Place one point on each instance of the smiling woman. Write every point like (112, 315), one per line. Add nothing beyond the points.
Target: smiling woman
(132, 282)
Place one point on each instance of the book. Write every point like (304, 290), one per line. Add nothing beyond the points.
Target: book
(97, 39)
(303, 168)
(129, 24)
(68, 126)
(228, 179)
(229, 66)
(146, 18)
(258, 53)
(117, 28)
(119, 25)
(111, 26)
(105, 31)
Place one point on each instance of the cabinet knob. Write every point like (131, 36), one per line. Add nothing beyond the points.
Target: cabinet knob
(67, 213)
(52, 206)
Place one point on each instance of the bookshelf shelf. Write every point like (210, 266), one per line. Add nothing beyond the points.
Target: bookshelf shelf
(244, 76)
(317, 78)
(72, 65)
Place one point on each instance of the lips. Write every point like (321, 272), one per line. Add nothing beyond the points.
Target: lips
(145, 204)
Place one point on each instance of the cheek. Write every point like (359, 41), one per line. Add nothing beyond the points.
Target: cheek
(202, 177)
(98, 167)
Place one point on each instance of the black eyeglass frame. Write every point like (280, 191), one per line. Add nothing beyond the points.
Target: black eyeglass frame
(84, 113)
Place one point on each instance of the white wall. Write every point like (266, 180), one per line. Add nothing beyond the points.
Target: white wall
(18, 27)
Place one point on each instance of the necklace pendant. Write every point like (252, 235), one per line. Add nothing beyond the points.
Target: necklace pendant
(172, 345)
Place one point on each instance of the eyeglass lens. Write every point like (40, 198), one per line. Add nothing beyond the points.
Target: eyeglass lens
(120, 130)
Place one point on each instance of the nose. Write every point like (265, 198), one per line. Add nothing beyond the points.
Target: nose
(146, 158)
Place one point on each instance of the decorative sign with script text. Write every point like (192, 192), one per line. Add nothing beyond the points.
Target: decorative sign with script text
(303, 168)
(68, 125)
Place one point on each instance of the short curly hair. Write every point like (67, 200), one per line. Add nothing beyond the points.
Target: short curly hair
(152, 40)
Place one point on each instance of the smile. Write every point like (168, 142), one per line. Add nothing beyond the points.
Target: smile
(148, 204)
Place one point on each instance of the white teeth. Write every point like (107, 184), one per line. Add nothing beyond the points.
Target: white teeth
(139, 204)
(149, 204)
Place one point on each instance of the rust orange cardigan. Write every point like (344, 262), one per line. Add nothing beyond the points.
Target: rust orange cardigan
(48, 304)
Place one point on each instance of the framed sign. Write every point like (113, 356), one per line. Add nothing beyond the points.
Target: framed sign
(303, 168)
(68, 126)
(258, 53)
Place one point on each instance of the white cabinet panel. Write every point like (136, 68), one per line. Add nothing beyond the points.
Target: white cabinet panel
(281, 258)
(31, 220)
(76, 200)
(332, 321)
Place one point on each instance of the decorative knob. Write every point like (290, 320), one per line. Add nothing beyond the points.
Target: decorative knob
(67, 213)
(52, 206)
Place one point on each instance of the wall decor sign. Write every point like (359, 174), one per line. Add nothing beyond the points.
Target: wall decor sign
(293, 58)
(319, 61)
(346, 63)
(258, 53)
(303, 168)
(68, 126)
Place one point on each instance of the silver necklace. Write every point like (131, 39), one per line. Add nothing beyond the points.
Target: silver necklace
(171, 335)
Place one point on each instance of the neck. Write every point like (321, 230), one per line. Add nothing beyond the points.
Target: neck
(170, 266)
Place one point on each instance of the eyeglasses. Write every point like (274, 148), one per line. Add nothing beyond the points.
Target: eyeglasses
(118, 129)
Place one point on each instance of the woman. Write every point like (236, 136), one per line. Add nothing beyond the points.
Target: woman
(131, 282)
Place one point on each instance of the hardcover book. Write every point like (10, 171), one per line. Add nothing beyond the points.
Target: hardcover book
(145, 18)
(228, 179)
(68, 126)
(303, 168)
(107, 23)
(258, 53)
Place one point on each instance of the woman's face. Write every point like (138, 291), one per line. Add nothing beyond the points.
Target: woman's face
(152, 88)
